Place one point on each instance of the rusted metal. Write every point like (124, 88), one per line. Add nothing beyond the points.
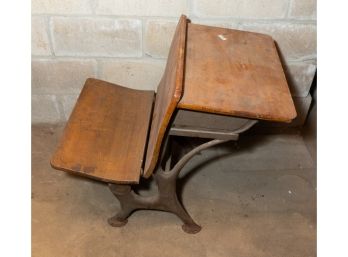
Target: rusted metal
(166, 198)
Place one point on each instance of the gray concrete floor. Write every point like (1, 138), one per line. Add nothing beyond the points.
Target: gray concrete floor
(255, 198)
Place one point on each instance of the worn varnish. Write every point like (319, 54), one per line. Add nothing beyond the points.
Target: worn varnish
(209, 70)
(235, 73)
(105, 136)
(168, 95)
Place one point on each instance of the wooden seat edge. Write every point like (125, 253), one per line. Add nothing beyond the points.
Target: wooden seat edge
(58, 164)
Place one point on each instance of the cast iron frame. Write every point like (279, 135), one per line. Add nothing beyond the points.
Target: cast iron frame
(166, 198)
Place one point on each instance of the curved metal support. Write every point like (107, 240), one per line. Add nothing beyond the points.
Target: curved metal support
(245, 126)
(178, 167)
(166, 198)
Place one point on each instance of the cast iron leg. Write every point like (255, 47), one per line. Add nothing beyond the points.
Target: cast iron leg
(189, 225)
(165, 200)
(166, 182)
(123, 194)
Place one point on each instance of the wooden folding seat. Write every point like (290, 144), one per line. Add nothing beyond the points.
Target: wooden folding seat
(217, 84)
(106, 134)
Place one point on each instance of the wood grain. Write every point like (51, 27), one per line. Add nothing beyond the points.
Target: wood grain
(168, 95)
(235, 73)
(105, 136)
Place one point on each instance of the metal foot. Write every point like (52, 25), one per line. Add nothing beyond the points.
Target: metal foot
(117, 222)
(191, 228)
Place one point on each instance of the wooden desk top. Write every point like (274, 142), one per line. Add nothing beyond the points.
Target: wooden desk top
(236, 73)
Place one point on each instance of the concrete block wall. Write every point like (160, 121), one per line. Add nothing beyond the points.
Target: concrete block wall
(127, 42)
